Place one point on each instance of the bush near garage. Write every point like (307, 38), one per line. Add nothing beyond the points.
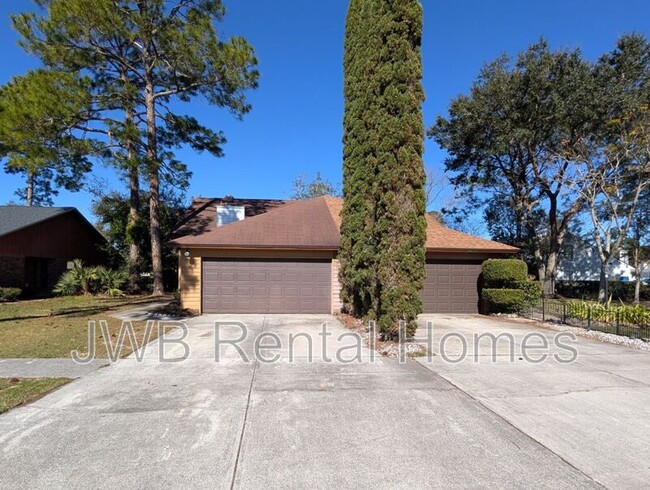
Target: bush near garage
(507, 287)
(503, 300)
(498, 273)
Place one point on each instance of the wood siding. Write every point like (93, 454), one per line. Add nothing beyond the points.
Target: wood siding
(189, 282)
(67, 236)
(337, 305)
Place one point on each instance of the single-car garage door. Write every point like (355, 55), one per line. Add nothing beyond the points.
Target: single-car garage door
(451, 287)
(266, 286)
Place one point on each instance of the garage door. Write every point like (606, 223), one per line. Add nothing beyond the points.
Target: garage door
(451, 287)
(266, 286)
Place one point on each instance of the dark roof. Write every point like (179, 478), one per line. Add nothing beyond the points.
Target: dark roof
(315, 224)
(14, 218)
(201, 217)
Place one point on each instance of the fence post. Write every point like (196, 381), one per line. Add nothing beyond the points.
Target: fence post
(543, 309)
(618, 321)
(563, 312)
(588, 317)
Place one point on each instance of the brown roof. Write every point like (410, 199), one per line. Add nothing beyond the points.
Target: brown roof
(314, 224)
(201, 217)
(440, 238)
(296, 225)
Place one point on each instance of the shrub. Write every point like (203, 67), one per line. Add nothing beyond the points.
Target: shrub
(588, 290)
(504, 272)
(68, 285)
(90, 280)
(75, 281)
(532, 291)
(110, 281)
(10, 294)
(609, 314)
(504, 300)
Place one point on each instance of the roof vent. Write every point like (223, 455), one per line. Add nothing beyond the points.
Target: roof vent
(227, 214)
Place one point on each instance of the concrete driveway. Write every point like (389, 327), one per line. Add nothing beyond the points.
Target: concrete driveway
(321, 423)
(593, 412)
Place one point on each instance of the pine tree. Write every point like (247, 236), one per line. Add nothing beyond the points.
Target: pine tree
(145, 56)
(383, 226)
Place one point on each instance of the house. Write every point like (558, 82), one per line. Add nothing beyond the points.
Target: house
(38, 243)
(257, 256)
(579, 261)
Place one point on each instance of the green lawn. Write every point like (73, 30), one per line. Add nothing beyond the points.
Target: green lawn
(15, 392)
(52, 328)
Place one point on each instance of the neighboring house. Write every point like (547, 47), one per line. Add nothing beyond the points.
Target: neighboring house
(579, 262)
(37, 244)
(257, 256)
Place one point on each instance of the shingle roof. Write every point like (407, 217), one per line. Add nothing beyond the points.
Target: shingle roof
(201, 217)
(440, 238)
(14, 218)
(296, 225)
(315, 224)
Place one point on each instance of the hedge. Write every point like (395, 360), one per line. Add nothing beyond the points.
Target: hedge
(10, 294)
(504, 272)
(588, 290)
(504, 300)
(532, 292)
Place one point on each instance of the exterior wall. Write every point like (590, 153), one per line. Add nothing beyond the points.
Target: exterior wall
(337, 305)
(55, 269)
(189, 282)
(12, 272)
(67, 237)
(190, 268)
(580, 262)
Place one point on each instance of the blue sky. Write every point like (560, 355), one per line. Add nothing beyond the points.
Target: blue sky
(296, 123)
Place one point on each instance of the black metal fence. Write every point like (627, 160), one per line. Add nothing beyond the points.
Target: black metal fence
(629, 322)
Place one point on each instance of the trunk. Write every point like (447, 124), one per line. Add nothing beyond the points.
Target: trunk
(154, 191)
(603, 287)
(29, 194)
(556, 236)
(134, 199)
(550, 270)
(638, 271)
(134, 218)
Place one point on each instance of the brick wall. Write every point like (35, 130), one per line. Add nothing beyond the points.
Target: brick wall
(12, 272)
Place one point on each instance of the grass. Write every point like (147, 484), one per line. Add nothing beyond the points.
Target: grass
(15, 392)
(52, 328)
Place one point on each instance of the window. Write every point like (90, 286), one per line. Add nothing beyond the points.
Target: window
(229, 214)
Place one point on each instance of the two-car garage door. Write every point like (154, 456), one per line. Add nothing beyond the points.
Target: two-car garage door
(266, 286)
(304, 286)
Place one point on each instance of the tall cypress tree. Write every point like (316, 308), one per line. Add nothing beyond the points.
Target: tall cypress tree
(357, 246)
(383, 226)
(399, 190)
